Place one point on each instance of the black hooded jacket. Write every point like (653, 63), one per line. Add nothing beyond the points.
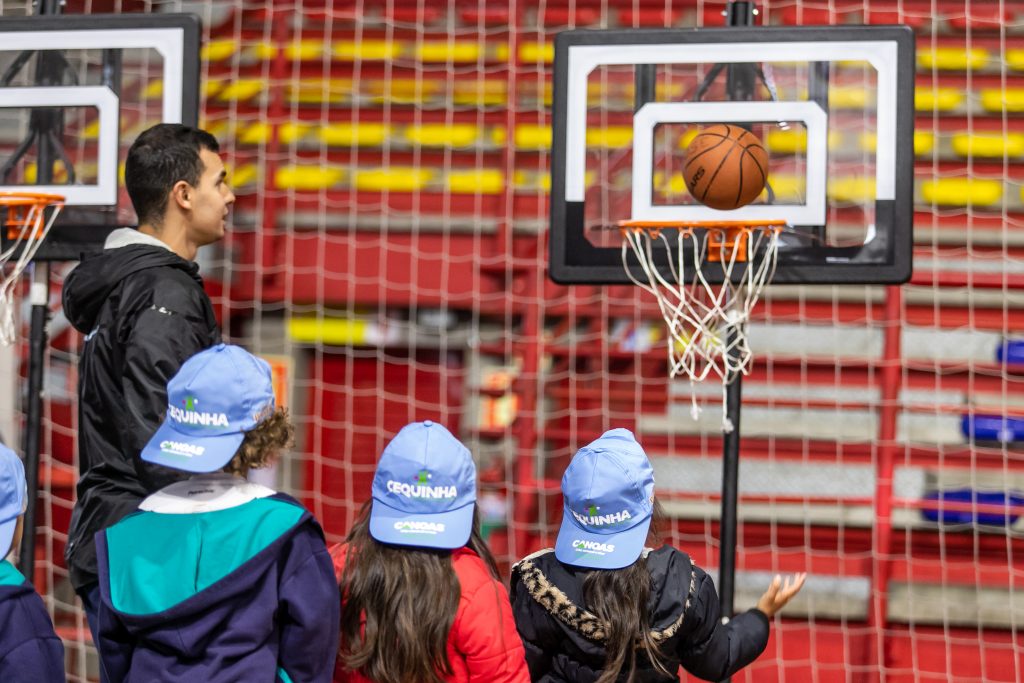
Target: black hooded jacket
(144, 313)
(563, 639)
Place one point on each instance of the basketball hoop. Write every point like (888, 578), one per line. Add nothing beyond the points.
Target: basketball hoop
(26, 226)
(706, 323)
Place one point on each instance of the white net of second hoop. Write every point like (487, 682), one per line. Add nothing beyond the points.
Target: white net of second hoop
(706, 323)
(31, 230)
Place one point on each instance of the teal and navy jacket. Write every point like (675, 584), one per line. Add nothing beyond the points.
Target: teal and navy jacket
(216, 579)
(29, 649)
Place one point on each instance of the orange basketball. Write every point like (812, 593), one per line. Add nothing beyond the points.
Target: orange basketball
(726, 166)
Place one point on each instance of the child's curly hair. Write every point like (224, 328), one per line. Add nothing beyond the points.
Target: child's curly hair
(263, 443)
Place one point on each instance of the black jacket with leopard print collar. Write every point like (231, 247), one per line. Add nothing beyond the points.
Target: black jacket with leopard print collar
(564, 641)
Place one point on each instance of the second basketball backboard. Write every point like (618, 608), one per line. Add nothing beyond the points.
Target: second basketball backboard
(833, 106)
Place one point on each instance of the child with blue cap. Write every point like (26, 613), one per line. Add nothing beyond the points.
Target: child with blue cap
(29, 648)
(603, 606)
(421, 599)
(215, 578)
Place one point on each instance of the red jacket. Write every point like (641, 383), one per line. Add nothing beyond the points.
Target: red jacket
(483, 645)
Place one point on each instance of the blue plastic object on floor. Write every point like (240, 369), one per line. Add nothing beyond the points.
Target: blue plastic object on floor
(1011, 352)
(971, 516)
(993, 428)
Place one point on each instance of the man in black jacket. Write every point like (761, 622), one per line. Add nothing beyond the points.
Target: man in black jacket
(141, 306)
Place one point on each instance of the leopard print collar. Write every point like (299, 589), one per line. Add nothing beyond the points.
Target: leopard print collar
(589, 625)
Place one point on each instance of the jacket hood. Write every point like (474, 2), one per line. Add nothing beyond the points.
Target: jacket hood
(558, 588)
(181, 580)
(91, 282)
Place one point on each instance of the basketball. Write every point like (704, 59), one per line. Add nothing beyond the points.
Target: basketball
(726, 167)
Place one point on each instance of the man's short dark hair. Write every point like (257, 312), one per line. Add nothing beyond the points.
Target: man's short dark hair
(159, 158)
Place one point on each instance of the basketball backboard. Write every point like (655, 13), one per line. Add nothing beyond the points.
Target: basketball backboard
(833, 105)
(75, 91)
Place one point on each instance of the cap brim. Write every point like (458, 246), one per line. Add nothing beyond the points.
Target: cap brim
(442, 530)
(191, 453)
(581, 548)
(7, 536)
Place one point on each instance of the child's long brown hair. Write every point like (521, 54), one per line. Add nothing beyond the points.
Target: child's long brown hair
(620, 597)
(398, 605)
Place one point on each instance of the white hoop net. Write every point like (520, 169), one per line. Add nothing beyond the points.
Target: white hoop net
(31, 230)
(706, 323)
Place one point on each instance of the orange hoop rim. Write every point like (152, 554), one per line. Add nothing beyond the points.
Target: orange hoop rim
(720, 225)
(732, 235)
(12, 199)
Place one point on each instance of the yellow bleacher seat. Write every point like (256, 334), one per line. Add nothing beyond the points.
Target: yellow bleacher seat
(308, 177)
(532, 53)
(530, 136)
(786, 141)
(363, 134)
(924, 142)
(962, 191)
(393, 178)
(318, 91)
(952, 58)
(851, 189)
(673, 184)
(442, 135)
(480, 93)
(686, 138)
(218, 50)
(243, 175)
(497, 136)
(482, 181)
(154, 91)
(786, 187)
(497, 52)
(218, 129)
(261, 50)
(1015, 59)
(399, 87)
(993, 145)
(849, 97)
(60, 172)
(212, 87)
(995, 99)
(938, 99)
(91, 131)
(259, 133)
(458, 52)
(664, 91)
(366, 50)
(305, 50)
(243, 89)
(610, 137)
(330, 331)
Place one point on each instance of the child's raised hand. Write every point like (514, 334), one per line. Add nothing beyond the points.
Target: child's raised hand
(779, 593)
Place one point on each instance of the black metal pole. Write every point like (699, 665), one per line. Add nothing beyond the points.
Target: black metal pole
(47, 125)
(740, 81)
(34, 407)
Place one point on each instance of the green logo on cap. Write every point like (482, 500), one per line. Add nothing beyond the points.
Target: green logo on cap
(423, 476)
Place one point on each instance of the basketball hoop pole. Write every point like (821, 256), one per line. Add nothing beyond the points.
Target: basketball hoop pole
(739, 86)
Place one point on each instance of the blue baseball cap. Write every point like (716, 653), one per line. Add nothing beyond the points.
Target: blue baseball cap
(424, 490)
(217, 396)
(609, 499)
(12, 496)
